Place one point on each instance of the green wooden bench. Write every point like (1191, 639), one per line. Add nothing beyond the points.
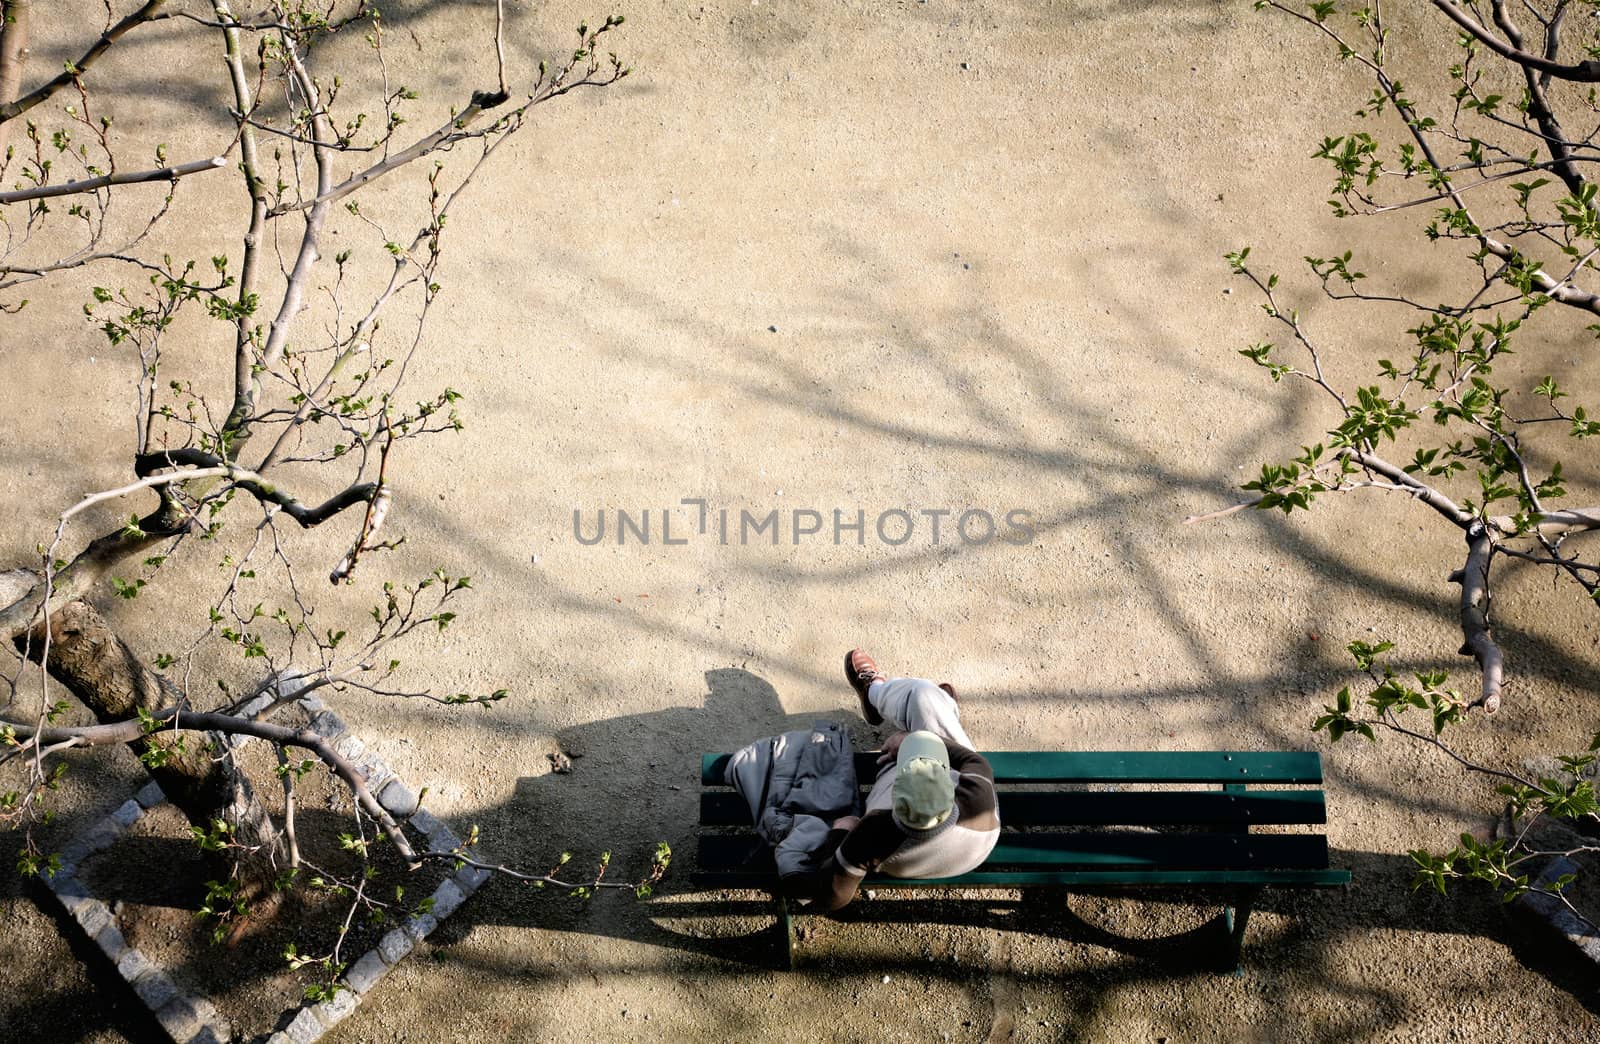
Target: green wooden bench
(1203, 840)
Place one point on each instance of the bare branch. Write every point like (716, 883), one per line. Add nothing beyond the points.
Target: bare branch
(68, 188)
(210, 465)
(11, 110)
(1221, 512)
(500, 43)
(249, 166)
(482, 101)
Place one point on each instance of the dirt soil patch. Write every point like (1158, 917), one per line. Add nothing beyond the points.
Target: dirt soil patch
(155, 878)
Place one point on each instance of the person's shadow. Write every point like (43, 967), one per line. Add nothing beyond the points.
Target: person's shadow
(635, 781)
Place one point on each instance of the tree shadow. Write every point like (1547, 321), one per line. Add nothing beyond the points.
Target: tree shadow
(627, 770)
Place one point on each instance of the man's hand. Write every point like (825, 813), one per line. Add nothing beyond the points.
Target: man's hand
(846, 823)
(891, 748)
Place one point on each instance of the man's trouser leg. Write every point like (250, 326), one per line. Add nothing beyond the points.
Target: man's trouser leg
(916, 704)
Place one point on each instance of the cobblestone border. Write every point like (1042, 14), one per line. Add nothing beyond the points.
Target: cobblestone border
(1554, 915)
(194, 1019)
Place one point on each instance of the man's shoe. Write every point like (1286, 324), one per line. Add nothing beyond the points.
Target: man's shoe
(861, 672)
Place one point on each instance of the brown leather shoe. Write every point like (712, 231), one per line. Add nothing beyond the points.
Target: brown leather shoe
(861, 672)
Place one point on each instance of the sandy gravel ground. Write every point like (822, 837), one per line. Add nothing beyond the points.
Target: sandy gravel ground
(869, 255)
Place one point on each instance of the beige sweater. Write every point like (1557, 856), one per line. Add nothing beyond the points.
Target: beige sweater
(879, 842)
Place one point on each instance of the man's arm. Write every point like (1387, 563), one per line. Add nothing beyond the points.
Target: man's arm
(969, 762)
(868, 842)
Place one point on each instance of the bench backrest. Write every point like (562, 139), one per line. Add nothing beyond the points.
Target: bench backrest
(1020, 777)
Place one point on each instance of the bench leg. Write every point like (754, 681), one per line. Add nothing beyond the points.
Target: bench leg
(786, 926)
(1235, 918)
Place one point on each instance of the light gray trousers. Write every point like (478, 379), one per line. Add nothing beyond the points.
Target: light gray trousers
(916, 704)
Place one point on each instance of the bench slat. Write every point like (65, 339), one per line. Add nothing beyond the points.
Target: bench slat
(1102, 850)
(1076, 878)
(1113, 766)
(1154, 808)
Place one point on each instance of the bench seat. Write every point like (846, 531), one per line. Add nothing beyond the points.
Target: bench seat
(1191, 839)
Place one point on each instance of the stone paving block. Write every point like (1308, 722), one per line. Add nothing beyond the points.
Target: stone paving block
(132, 965)
(365, 973)
(446, 899)
(255, 705)
(305, 1028)
(150, 795)
(180, 1019)
(155, 988)
(93, 915)
(394, 946)
(111, 942)
(471, 878)
(349, 747)
(426, 821)
(291, 681)
(443, 840)
(376, 772)
(207, 1011)
(421, 926)
(397, 799)
(327, 725)
(65, 883)
(280, 1037)
(103, 835)
(77, 850)
(73, 903)
(216, 1032)
(332, 1011)
(128, 813)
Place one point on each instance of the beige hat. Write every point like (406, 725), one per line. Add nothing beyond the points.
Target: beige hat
(924, 793)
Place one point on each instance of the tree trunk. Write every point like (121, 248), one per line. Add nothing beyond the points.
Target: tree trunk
(97, 667)
(14, 16)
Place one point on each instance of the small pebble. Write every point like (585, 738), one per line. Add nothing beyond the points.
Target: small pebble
(772, 329)
(887, 979)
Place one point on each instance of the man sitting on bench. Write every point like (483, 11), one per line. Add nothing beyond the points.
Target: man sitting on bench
(931, 811)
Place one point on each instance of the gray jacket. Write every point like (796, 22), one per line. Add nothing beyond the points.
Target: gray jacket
(797, 784)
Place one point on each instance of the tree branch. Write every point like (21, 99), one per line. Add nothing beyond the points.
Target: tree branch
(11, 110)
(174, 718)
(1584, 72)
(249, 166)
(248, 390)
(1539, 105)
(208, 465)
(1480, 644)
(1554, 523)
(1417, 489)
(14, 33)
(482, 101)
(68, 188)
